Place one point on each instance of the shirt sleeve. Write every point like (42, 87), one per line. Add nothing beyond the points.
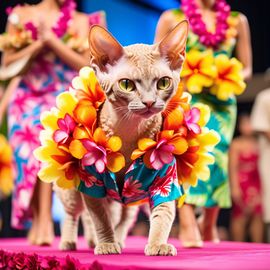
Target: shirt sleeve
(260, 116)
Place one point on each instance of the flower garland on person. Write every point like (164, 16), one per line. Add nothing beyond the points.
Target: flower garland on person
(6, 171)
(26, 33)
(220, 74)
(71, 138)
(192, 12)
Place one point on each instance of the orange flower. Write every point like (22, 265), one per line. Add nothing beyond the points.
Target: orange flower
(160, 152)
(103, 152)
(88, 88)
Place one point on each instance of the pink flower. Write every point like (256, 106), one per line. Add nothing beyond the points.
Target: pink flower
(89, 180)
(162, 185)
(32, 28)
(162, 154)
(67, 126)
(95, 155)
(113, 194)
(191, 119)
(132, 188)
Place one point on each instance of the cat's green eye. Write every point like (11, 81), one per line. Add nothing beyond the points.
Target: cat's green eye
(164, 83)
(126, 85)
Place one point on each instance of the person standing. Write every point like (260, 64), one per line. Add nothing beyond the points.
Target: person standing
(217, 30)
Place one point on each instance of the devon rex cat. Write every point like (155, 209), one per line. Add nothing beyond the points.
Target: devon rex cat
(138, 80)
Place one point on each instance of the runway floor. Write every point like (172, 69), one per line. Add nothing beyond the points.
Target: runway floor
(226, 255)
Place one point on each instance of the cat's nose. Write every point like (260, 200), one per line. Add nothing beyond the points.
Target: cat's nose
(149, 103)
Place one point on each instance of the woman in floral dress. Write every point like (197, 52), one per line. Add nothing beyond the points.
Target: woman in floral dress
(58, 48)
(212, 27)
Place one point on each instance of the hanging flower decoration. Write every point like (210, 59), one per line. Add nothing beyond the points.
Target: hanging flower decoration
(220, 74)
(229, 78)
(72, 140)
(6, 172)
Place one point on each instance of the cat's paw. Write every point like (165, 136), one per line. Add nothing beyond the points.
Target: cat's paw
(160, 250)
(107, 248)
(65, 245)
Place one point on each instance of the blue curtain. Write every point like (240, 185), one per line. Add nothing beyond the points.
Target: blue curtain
(131, 21)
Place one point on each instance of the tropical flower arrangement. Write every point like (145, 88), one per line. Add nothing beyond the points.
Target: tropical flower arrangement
(6, 171)
(71, 138)
(220, 74)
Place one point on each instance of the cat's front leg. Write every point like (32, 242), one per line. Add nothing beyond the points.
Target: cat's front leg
(128, 216)
(161, 221)
(106, 243)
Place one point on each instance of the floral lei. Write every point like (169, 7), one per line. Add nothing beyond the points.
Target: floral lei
(71, 138)
(192, 12)
(220, 74)
(27, 33)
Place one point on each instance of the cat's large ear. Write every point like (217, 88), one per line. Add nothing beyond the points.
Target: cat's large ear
(173, 45)
(104, 48)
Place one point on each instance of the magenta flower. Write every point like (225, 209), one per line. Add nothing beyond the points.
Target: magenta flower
(162, 154)
(132, 188)
(95, 155)
(89, 180)
(191, 118)
(32, 28)
(67, 126)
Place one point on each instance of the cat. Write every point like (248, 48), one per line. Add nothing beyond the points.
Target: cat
(130, 77)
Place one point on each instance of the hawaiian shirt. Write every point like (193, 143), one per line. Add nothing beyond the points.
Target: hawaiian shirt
(140, 184)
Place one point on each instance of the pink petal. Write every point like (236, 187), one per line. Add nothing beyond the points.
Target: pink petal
(62, 124)
(195, 128)
(89, 145)
(70, 122)
(194, 115)
(89, 159)
(167, 148)
(161, 142)
(100, 165)
(166, 157)
(157, 164)
(60, 136)
(155, 160)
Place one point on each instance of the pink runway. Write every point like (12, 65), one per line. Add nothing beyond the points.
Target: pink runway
(226, 255)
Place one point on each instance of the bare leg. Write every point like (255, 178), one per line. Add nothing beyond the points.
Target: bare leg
(256, 229)
(32, 234)
(209, 226)
(45, 233)
(189, 231)
(238, 225)
(129, 214)
(89, 229)
(161, 221)
(104, 228)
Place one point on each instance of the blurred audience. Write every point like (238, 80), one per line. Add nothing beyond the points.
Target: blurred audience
(261, 124)
(245, 184)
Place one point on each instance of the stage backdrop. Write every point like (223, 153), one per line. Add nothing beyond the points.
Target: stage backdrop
(131, 21)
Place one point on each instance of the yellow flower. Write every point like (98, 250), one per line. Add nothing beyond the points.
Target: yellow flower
(193, 164)
(198, 70)
(229, 80)
(6, 172)
(58, 165)
(87, 87)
